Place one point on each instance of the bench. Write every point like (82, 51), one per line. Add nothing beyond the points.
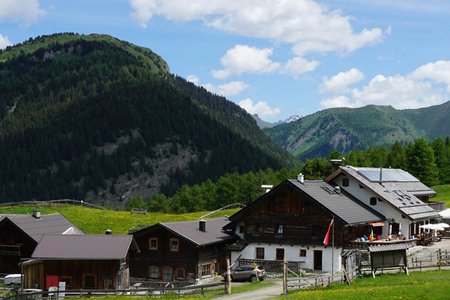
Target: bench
(138, 211)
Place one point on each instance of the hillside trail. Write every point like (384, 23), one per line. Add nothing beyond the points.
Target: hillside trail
(269, 292)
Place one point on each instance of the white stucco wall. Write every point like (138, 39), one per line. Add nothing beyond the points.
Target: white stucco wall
(292, 254)
(384, 208)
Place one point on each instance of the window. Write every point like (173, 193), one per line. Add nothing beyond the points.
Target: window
(153, 243)
(180, 273)
(259, 228)
(345, 182)
(89, 281)
(207, 269)
(259, 253)
(280, 253)
(167, 273)
(373, 200)
(279, 228)
(107, 281)
(302, 252)
(241, 229)
(174, 245)
(153, 272)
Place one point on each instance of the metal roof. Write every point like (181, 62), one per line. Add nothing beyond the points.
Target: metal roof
(46, 224)
(190, 230)
(403, 200)
(389, 247)
(85, 247)
(343, 205)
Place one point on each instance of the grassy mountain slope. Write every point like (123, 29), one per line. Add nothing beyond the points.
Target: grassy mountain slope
(92, 116)
(348, 129)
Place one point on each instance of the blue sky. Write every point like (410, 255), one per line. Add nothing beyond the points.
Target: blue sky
(274, 58)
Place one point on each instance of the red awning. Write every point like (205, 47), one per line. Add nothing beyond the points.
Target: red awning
(376, 224)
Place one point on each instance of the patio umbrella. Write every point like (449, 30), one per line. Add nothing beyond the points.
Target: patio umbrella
(432, 227)
(445, 213)
(444, 225)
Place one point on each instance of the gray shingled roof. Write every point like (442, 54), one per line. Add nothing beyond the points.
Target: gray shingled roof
(46, 224)
(86, 247)
(341, 204)
(403, 200)
(190, 230)
(389, 247)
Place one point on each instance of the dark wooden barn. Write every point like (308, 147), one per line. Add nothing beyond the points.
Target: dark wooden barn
(181, 251)
(20, 234)
(81, 261)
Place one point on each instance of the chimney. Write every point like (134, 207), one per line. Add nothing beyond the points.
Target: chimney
(336, 163)
(108, 231)
(337, 189)
(301, 178)
(202, 225)
(36, 214)
(267, 187)
(381, 175)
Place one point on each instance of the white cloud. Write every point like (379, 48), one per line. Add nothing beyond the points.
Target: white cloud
(261, 108)
(245, 59)
(307, 26)
(427, 85)
(23, 11)
(299, 65)
(228, 89)
(438, 71)
(339, 83)
(193, 78)
(4, 41)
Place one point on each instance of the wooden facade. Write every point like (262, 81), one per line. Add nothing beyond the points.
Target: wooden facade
(14, 245)
(167, 256)
(289, 217)
(78, 274)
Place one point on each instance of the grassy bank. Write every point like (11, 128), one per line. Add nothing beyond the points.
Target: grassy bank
(443, 194)
(95, 221)
(416, 285)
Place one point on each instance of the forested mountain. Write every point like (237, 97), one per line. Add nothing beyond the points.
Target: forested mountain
(346, 129)
(90, 116)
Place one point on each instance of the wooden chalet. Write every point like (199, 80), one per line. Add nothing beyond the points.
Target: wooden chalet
(400, 197)
(20, 234)
(290, 222)
(81, 261)
(181, 251)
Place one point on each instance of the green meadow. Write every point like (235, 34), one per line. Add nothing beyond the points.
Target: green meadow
(96, 221)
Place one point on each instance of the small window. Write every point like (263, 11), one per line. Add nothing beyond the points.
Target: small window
(180, 273)
(345, 182)
(259, 253)
(259, 228)
(241, 229)
(167, 273)
(174, 245)
(153, 272)
(279, 228)
(153, 243)
(280, 253)
(302, 252)
(373, 200)
(107, 281)
(361, 186)
(207, 269)
(89, 281)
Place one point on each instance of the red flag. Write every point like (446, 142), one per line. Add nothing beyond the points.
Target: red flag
(326, 240)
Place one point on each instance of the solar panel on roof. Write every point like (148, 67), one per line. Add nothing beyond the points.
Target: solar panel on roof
(373, 174)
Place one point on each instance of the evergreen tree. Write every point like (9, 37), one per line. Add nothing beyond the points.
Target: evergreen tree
(421, 162)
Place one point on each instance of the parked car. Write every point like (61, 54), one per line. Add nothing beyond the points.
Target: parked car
(247, 272)
(13, 279)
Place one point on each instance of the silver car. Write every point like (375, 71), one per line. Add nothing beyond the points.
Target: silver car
(247, 272)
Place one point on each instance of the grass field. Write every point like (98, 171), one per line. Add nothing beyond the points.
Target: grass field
(443, 194)
(416, 285)
(95, 221)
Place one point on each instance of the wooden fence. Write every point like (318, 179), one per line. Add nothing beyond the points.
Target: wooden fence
(50, 202)
(146, 292)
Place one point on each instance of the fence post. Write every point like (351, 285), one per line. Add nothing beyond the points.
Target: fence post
(228, 284)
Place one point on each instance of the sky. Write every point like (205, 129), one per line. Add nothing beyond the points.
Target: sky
(273, 58)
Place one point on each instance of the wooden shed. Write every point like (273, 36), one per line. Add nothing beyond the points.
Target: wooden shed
(81, 261)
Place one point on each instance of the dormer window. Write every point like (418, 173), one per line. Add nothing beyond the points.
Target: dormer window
(279, 228)
(345, 182)
(373, 200)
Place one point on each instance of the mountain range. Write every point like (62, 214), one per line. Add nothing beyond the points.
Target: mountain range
(93, 117)
(347, 129)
